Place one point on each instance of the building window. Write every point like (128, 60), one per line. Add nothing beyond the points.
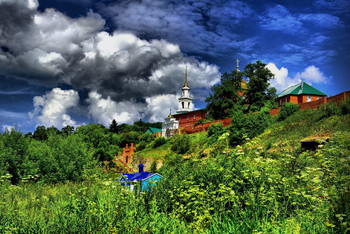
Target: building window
(188, 117)
(194, 117)
(308, 99)
(318, 98)
(286, 99)
(183, 105)
(281, 102)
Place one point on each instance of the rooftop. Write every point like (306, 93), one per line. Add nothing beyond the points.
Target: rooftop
(136, 176)
(302, 88)
(152, 130)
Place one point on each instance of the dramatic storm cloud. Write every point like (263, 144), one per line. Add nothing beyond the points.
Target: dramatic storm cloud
(48, 48)
(126, 59)
(196, 25)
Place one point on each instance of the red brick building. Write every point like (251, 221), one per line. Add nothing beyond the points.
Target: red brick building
(190, 118)
(127, 153)
(300, 93)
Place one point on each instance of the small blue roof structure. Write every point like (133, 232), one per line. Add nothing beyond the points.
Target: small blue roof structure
(145, 179)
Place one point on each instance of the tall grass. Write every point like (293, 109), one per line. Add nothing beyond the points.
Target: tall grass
(251, 189)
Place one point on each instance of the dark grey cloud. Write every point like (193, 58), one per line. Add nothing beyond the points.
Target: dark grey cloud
(53, 48)
(278, 18)
(195, 26)
(117, 68)
(336, 6)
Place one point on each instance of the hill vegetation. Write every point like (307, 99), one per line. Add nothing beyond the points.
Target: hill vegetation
(248, 179)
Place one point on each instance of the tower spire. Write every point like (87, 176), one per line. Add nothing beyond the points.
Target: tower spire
(237, 65)
(186, 81)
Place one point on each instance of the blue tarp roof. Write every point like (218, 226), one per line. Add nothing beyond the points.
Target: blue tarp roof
(136, 176)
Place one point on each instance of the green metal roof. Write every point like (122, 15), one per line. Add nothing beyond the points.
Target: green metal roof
(302, 88)
(153, 130)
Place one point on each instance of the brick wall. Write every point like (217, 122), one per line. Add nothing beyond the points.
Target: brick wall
(204, 126)
(312, 105)
(316, 104)
(274, 111)
(226, 122)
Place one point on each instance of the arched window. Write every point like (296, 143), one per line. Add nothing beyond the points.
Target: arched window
(183, 105)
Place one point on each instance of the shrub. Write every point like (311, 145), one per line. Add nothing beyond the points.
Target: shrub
(180, 144)
(287, 110)
(153, 168)
(345, 106)
(247, 126)
(215, 129)
(329, 109)
(159, 141)
(141, 146)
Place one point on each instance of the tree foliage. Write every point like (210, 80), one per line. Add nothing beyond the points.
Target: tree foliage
(258, 91)
(225, 97)
(229, 96)
(113, 127)
(287, 110)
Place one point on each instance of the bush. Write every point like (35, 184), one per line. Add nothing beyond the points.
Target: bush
(345, 106)
(329, 109)
(215, 129)
(247, 126)
(141, 146)
(180, 144)
(287, 110)
(159, 141)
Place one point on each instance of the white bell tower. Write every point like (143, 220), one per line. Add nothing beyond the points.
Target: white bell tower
(185, 101)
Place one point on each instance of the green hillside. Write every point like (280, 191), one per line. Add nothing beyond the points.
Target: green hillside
(268, 184)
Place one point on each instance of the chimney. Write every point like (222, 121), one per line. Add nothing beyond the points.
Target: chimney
(141, 166)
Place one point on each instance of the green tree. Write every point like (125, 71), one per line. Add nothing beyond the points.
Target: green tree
(226, 97)
(113, 127)
(100, 140)
(13, 148)
(259, 91)
(67, 130)
(40, 133)
(52, 130)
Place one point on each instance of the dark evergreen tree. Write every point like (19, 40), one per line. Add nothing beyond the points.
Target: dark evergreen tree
(113, 127)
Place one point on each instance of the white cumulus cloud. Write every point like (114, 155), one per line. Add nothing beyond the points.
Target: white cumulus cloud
(282, 80)
(52, 108)
(104, 110)
(158, 107)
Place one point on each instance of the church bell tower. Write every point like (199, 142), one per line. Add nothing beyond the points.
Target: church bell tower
(185, 101)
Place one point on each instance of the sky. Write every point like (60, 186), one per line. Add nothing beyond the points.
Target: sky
(74, 62)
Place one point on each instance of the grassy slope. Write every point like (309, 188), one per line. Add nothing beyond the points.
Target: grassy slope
(280, 136)
(261, 168)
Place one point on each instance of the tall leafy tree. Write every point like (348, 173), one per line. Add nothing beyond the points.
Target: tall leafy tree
(40, 133)
(226, 97)
(67, 130)
(259, 92)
